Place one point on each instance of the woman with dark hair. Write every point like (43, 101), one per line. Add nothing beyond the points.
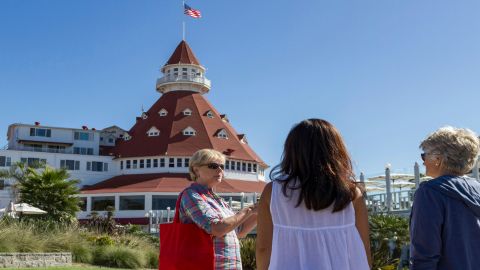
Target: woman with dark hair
(312, 215)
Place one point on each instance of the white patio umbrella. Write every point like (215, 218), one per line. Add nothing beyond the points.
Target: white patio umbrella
(393, 176)
(373, 188)
(25, 209)
(402, 184)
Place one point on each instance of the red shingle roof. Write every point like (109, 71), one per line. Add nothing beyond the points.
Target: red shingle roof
(183, 55)
(171, 141)
(166, 182)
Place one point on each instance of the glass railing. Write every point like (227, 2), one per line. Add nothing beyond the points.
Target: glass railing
(184, 78)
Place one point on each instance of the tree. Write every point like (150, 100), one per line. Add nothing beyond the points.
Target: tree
(51, 190)
(18, 173)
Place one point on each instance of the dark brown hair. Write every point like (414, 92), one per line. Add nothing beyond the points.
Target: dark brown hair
(315, 161)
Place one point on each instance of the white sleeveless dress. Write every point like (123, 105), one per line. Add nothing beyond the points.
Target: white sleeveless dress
(306, 239)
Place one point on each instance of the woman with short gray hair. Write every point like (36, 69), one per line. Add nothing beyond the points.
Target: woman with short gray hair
(445, 217)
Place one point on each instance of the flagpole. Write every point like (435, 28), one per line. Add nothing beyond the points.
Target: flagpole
(183, 29)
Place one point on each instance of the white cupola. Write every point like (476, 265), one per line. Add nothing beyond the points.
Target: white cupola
(183, 72)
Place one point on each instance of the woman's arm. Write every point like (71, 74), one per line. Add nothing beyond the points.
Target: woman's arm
(247, 226)
(264, 229)
(229, 224)
(361, 222)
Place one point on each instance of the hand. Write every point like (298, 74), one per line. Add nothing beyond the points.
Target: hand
(254, 208)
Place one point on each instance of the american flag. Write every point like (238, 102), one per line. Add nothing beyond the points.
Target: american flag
(194, 13)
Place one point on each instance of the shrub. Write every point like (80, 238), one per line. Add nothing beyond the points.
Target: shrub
(118, 256)
(388, 234)
(247, 251)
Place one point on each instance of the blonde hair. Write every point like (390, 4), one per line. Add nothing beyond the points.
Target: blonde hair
(458, 148)
(203, 157)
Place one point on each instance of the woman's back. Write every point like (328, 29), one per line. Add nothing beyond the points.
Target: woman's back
(307, 239)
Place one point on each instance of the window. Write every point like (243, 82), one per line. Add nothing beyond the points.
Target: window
(160, 202)
(83, 136)
(83, 151)
(153, 131)
(162, 162)
(171, 162)
(189, 132)
(34, 147)
(239, 166)
(33, 162)
(244, 166)
(210, 114)
(101, 203)
(149, 163)
(97, 166)
(179, 162)
(71, 165)
(187, 112)
(82, 203)
(249, 167)
(110, 140)
(134, 165)
(227, 165)
(184, 73)
(144, 115)
(163, 112)
(5, 161)
(127, 165)
(56, 149)
(233, 165)
(254, 167)
(40, 132)
(175, 72)
(185, 164)
(193, 72)
(132, 202)
(142, 163)
(222, 134)
(155, 163)
(127, 137)
(121, 165)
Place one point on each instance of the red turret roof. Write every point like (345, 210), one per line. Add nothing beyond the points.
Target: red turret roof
(172, 142)
(183, 55)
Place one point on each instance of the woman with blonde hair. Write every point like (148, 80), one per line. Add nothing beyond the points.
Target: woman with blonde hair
(445, 218)
(201, 205)
(312, 216)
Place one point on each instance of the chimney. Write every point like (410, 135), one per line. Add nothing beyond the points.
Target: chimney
(37, 123)
(84, 127)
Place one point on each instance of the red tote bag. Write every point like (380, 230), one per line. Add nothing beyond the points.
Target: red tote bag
(185, 246)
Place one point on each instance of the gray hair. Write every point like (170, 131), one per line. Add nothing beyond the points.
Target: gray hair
(203, 157)
(458, 148)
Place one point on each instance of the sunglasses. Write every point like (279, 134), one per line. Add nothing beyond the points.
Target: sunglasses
(215, 166)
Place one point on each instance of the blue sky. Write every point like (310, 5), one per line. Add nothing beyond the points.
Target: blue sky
(386, 73)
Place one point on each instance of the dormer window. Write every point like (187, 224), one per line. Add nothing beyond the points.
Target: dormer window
(209, 114)
(189, 131)
(153, 132)
(163, 112)
(127, 137)
(144, 115)
(242, 138)
(224, 118)
(187, 112)
(222, 134)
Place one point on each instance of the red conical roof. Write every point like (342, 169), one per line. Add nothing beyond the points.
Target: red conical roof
(183, 55)
(172, 142)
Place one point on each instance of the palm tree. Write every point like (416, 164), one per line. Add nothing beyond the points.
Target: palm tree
(51, 190)
(17, 173)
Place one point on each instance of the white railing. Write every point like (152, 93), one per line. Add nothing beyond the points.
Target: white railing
(186, 78)
(41, 149)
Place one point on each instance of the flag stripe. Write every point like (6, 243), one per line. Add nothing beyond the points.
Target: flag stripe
(194, 13)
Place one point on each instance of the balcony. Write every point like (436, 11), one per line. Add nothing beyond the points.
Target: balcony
(184, 78)
(41, 149)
